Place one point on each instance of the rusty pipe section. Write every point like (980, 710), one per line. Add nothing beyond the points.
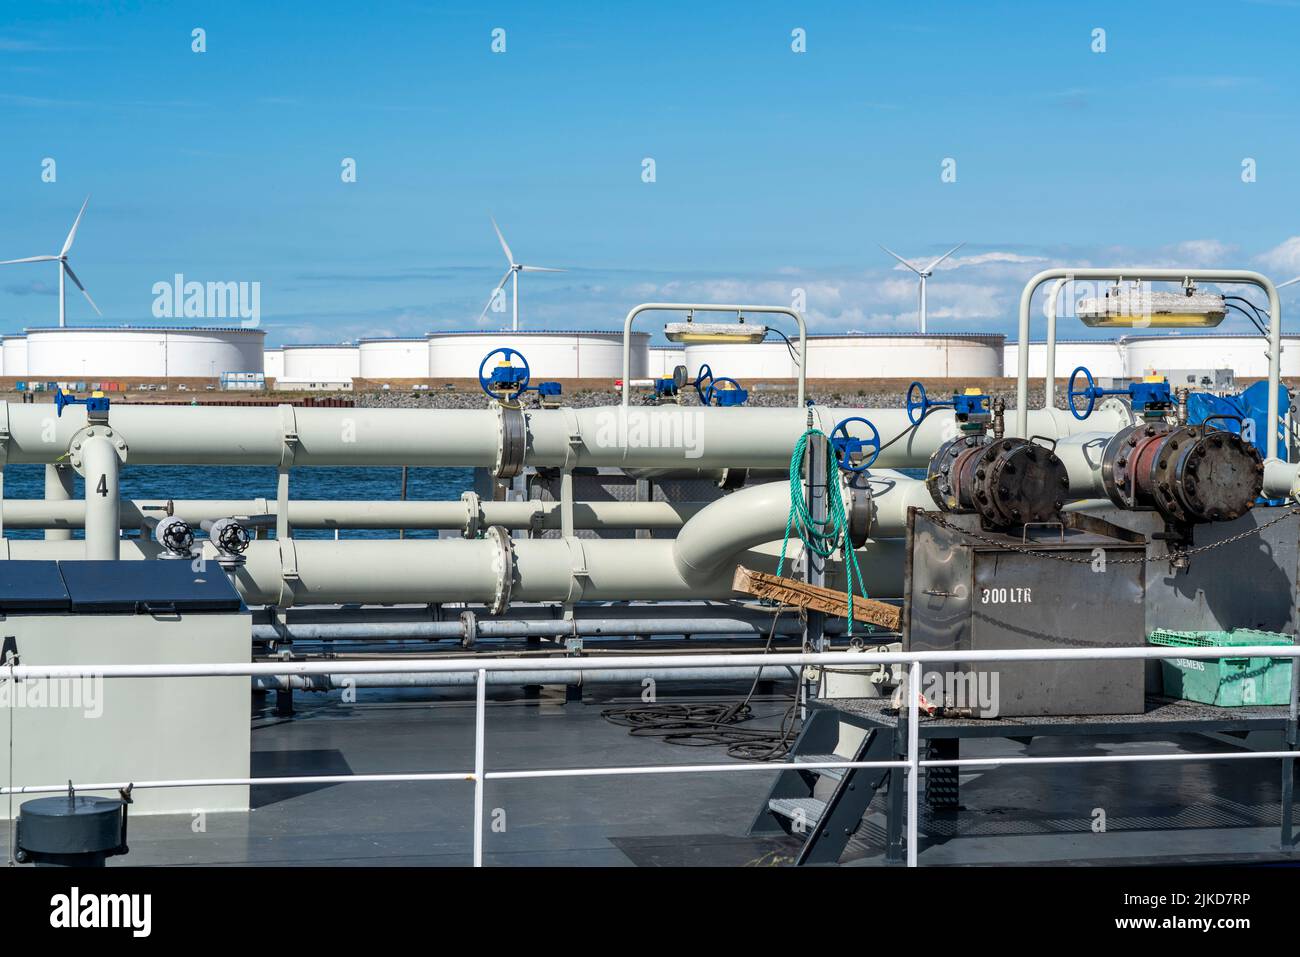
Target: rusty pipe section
(1191, 474)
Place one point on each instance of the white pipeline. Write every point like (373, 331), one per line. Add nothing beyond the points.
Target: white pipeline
(634, 437)
(325, 514)
(103, 506)
(698, 564)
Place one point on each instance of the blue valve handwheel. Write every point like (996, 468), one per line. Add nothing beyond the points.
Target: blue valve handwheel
(846, 445)
(704, 373)
(485, 382)
(923, 403)
(1090, 393)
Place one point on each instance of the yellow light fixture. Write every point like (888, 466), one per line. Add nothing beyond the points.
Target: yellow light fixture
(733, 332)
(1139, 308)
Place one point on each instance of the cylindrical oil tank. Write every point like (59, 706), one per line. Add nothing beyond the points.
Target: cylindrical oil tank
(862, 356)
(15, 355)
(382, 359)
(664, 359)
(273, 363)
(1102, 357)
(1245, 355)
(550, 355)
(324, 363)
(142, 352)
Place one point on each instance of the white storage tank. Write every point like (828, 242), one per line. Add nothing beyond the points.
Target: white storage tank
(273, 363)
(382, 359)
(150, 352)
(1245, 355)
(330, 363)
(15, 355)
(1104, 358)
(550, 355)
(858, 356)
(664, 359)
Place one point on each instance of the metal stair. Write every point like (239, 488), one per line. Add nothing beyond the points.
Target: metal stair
(807, 811)
(835, 774)
(824, 806)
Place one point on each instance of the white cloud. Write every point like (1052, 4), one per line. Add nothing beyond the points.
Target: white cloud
(1284, 257)
(984, 259)
(1203, 252)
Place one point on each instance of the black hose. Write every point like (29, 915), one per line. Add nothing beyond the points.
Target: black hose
(712, 724)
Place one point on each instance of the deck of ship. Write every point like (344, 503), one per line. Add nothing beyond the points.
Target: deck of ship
(1155, 813)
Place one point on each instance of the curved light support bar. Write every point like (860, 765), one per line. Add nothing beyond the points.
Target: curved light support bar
(1220, 276)
(1049, 371)
(712, 307)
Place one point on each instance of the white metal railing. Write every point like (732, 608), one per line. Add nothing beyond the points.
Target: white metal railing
(479, 775)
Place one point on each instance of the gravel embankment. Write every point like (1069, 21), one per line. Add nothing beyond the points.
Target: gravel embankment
(887, 398)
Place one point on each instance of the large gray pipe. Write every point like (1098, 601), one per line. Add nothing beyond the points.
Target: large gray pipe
(698, 564)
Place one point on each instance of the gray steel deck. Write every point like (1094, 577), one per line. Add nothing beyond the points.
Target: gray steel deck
(1161, 813)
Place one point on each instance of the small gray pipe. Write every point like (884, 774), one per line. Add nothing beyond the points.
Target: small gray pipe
(536, 611)
(789, 624)
(557, 677)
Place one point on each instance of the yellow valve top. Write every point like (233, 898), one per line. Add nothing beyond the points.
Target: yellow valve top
(1153, 378)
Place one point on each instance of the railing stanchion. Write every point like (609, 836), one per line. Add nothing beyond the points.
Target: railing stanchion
(480, 715)
(913, 757)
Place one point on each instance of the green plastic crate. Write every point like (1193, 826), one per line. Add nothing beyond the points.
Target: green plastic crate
(1226, 682)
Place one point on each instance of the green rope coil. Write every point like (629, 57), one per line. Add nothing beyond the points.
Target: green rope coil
(822, 539)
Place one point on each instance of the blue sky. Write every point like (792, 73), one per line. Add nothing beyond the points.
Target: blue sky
(775, 170)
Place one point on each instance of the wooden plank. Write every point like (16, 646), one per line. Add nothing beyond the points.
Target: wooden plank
(791, 591)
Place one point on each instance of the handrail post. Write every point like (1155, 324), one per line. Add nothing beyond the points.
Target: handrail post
(913, 757)
(480, 715)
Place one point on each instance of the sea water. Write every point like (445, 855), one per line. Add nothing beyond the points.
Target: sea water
(241, 482)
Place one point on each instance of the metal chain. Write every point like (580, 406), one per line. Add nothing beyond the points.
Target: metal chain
(1054, 556)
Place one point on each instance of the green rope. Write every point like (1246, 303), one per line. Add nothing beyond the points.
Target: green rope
(820, 538)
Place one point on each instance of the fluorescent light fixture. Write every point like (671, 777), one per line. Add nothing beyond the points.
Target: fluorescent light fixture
(735, 332)
(1140, 308)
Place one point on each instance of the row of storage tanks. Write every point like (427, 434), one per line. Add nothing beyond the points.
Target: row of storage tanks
(208, 353)
(443, 356)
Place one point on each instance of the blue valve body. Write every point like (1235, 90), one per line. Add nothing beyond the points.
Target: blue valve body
(1154, 397)
(95, 404)
(510, 376)
(969, 409)
(711, 394)
(510, 379)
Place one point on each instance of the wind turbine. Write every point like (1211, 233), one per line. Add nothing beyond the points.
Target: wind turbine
(514, 270)
(923, 274)
(62, 260)
(1289, 282)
